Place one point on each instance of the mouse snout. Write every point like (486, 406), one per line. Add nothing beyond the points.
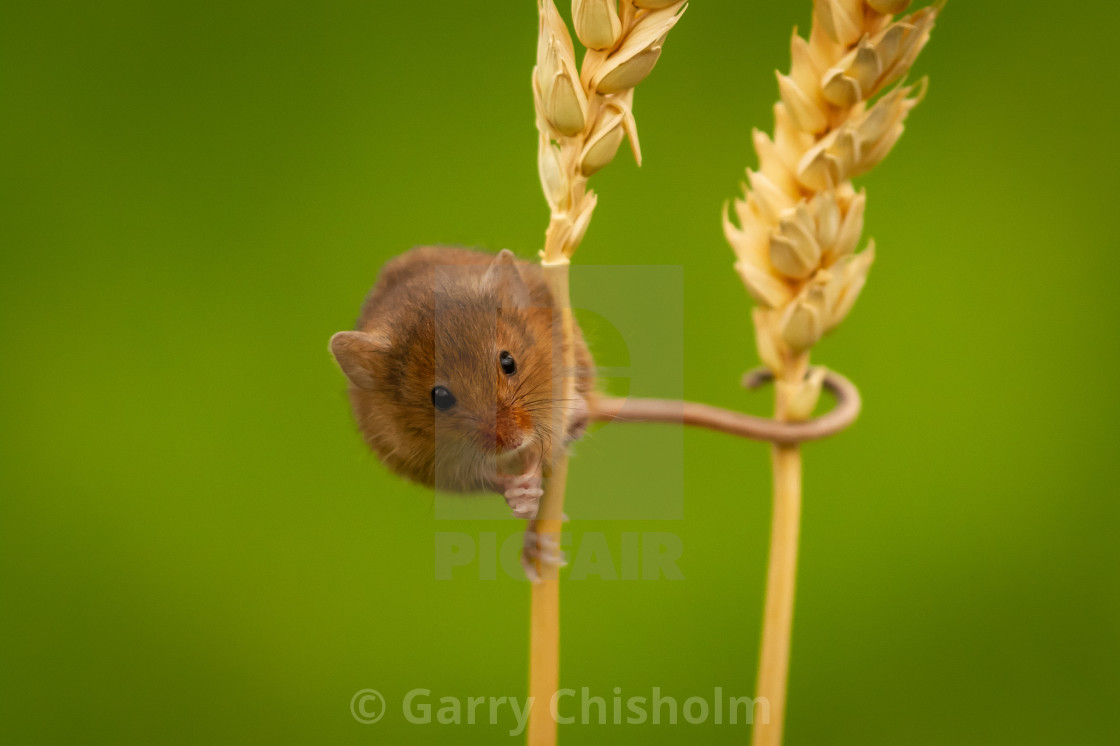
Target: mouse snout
(509, 430)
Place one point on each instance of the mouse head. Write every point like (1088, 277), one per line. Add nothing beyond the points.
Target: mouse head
(457, 380)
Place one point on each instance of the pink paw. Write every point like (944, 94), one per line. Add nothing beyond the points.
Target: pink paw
(523, 493)
(543, 548)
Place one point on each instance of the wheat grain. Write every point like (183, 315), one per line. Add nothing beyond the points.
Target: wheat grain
(582, 120)
(798, 226)
(800, 219)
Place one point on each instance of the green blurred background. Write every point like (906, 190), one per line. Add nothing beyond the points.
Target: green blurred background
(196, 548)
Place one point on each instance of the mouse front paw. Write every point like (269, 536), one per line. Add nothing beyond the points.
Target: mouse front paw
(543, 548)
(522, 493)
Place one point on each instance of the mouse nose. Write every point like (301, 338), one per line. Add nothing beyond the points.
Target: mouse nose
(500, 441)
(511, 442)
(509, 430)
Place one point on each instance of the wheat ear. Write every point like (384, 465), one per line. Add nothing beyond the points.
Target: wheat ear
(581, 119)
(799, 223)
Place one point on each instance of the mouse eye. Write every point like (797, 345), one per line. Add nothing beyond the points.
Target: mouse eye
(442, 399)
(508, 363)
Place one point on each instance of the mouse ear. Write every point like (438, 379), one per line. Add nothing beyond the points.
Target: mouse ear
(503, 275)
(357, 354)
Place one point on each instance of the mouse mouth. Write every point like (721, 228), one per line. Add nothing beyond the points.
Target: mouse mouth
(505, 451)
(516, 460)
(528, 444)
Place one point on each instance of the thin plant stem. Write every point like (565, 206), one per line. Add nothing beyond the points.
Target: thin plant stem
(544, 616)
(544, 659)
(781, 574)
(777, 626)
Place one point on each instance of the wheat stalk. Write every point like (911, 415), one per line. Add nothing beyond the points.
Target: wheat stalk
(581, 119)
(799, 223)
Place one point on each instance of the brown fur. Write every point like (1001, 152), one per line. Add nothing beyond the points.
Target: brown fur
(441, 317)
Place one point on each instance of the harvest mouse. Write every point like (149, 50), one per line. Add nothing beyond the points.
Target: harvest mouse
(456, 383)
(454, 378)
